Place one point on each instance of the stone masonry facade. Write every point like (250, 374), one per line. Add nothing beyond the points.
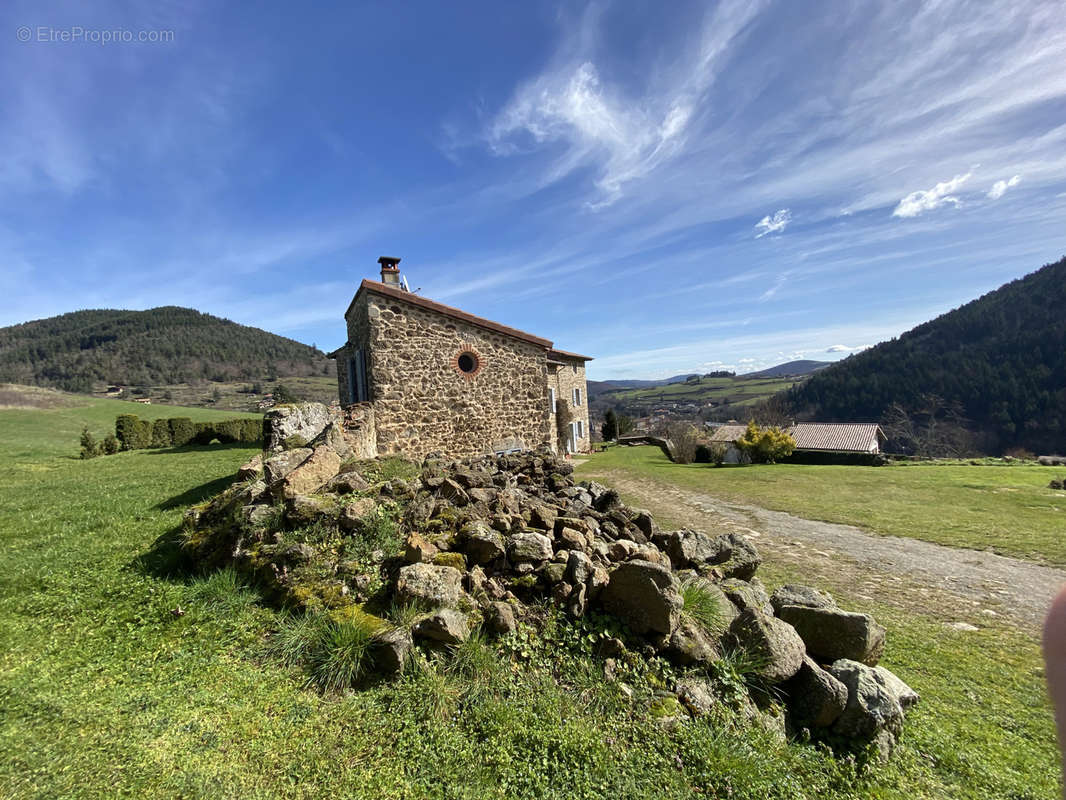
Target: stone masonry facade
(429, 379)
(565, 378)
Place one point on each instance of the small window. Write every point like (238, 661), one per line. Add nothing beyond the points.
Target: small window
(580, 429)
(551, 398)
(577, 398)
(467, 362)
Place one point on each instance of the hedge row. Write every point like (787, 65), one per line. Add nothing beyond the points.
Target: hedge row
(134, 433)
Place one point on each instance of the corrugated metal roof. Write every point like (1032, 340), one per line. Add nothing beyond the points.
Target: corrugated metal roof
(846, 437)
(859, 438)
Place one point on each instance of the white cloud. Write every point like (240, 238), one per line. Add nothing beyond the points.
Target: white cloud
(843, 348)
(773, 224)
(999, 188)
(926, 200)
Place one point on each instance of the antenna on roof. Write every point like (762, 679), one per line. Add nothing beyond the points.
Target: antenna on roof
(403, 282)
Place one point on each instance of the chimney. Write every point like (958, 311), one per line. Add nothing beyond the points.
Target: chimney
(390, 272)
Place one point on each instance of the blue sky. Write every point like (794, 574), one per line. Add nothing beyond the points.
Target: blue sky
(670, 188)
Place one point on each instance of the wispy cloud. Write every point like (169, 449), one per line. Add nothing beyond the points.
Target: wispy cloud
(999, 188)
(773, 224)
(843, 348)
(622, 134)
(928, 199)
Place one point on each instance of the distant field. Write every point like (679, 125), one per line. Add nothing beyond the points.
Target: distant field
(232, 395)
(1007, 509)
(54, 431)
(735, 391)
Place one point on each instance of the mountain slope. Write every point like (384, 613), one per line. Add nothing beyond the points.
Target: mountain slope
(803, 367)
(160, 346)
(1000, 359)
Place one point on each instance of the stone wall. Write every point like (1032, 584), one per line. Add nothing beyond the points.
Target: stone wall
(564, 379)
(424, 402)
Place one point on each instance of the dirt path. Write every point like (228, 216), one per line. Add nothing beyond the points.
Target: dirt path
(962, 587)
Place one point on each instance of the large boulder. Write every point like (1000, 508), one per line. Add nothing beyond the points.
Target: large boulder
(393, 651)
(815, 699)
(776, 648)
(312, 474)
(430, 585)
(873, 712)
(745, 594)
(529, 546)
(445, 625)
(279, 465)
(695, 548)
(742, 560)
(794, 594)
(689, 644)
(831, 633)
(296, 424)
(482, 544)
(332, 436)
(644, 595)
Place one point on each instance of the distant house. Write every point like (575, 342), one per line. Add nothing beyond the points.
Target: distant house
(143, 400)
(423, 377)
(813, 437)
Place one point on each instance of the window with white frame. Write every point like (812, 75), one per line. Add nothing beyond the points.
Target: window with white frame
(576, 397)
(580, 429)
(551, 398)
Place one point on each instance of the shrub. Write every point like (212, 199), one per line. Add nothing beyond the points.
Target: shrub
(683, 437)
(90, 448)
(126, 429)
(111, 445)
(182, 430)
(205, 433)
(252, 430)
(229, 430)
(766, 445)
(161, 433)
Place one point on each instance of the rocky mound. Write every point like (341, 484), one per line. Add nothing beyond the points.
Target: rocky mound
(488, 542)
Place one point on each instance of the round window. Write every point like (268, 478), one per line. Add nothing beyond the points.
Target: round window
(467, 363)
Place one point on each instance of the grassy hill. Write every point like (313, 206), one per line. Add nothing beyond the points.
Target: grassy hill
(998, 362)
(726, 396)
(86, 350)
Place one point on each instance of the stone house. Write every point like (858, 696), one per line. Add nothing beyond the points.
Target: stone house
(417, 377)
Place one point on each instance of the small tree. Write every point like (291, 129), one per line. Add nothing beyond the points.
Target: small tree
(90, 448)
(609, 429)
(625, 425)
(282, 394)
(684, 439)
(766, 445)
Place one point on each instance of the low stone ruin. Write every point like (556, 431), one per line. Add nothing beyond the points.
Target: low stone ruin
(487, 541)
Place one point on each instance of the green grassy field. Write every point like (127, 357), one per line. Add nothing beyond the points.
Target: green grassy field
(737, 391)
(231, 394)
(107, 691)
(1008, 509)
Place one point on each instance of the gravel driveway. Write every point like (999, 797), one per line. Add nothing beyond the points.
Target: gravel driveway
(963, 587)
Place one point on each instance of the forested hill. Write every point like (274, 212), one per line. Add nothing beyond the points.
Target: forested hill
(160, 346)
(1000, 360)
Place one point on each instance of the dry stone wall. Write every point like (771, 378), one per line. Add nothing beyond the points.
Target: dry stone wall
(425, 402)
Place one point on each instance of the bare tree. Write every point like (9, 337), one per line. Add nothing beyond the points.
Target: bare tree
(684, 438)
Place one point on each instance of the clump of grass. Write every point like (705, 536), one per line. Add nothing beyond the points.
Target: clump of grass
(343, 657)
(223, 591)
(702, 607)
(336, 652)
(403, 615)
(475, 665)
